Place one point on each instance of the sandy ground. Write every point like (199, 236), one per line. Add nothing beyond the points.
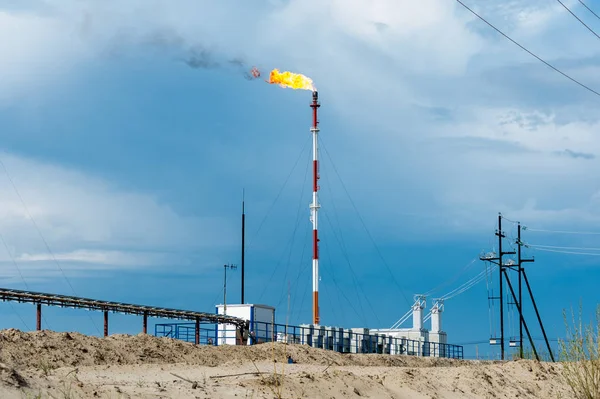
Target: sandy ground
(70, 365)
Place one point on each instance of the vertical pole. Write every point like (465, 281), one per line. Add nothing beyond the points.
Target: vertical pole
(314, 207)
(197, 332)
(145, 323)
(224, 326)
(38, 324)
(500, 268)
(243, 243)
(520, 292)
(106, 323)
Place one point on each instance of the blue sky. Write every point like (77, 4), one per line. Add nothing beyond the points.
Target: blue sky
(132, 163)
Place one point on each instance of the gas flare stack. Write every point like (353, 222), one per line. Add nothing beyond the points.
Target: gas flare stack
(314, 207)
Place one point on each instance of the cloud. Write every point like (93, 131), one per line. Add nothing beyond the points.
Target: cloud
(451, 109)
(89, 223)
(105, 258)
(36, 54)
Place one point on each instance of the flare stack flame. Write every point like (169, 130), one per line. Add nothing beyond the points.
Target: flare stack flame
(292, 80)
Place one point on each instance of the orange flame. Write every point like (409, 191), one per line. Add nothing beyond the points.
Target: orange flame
(292, 80)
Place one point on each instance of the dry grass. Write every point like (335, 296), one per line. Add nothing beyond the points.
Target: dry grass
(580, 354)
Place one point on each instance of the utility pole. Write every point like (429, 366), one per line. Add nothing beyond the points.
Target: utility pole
(501, 266)
(225, 267)
(500, 237)
(518, 300)
(520, 271)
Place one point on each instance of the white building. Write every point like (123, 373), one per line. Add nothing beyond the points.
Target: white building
(261, 318)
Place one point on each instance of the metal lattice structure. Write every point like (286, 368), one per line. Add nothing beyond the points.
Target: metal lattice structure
(65, 301)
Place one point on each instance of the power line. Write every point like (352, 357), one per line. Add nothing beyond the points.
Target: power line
(579, 19)
(596, 233)
(568, 248)
(509, 220)
(589, 9)
(567, 252)
(528, 51)
(452, 279)
(467, 285)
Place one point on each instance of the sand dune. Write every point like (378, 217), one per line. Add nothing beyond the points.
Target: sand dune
(70, 365)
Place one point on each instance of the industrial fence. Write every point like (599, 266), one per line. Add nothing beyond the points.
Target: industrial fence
(329, 338)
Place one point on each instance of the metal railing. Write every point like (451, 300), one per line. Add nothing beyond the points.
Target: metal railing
(336, 339)
(185, 332)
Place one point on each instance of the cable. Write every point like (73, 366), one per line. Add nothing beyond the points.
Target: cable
(278, 195)
(341, 241)
(401, 320)
(589, 9)
(14, 262)
(467, 285)
(335, 212)
(340, 232)
(12, 258)
(282, 297)
(427, 317)
(36, 226)
(266, 286)
(473, 343)
(529, 52)
(293, 237)
(327, 294)
(214, 302)
(301, 269)
(579, 19)
(19, 316)
(562, 231)
(455, 292)
(357, 287)
(452, 279)
(365, 226)
(508, 220)
(557, 247)
(338, 289)
(306, 289)
(567, 252)
(42, 236)
(354, 278)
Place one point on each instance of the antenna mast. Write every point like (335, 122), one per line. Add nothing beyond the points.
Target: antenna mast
(243, 241)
